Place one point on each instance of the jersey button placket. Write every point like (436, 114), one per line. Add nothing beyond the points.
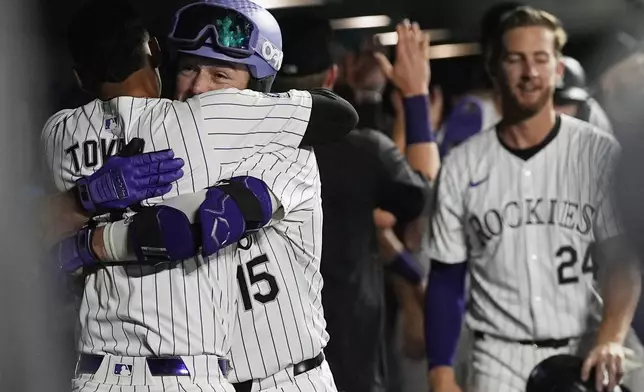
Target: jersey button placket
(531, 255)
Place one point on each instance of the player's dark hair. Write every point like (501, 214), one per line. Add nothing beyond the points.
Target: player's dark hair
(491, 20)
(524, 16)
(106, 39)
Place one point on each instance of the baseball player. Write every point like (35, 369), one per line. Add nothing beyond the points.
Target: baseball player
(183, 311)
(518, 208)
(572, 96)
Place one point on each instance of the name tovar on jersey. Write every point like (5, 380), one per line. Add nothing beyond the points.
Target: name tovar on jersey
(526, 228)
(187, 309)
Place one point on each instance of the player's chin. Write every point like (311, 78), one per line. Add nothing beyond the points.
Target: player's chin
(531, 103)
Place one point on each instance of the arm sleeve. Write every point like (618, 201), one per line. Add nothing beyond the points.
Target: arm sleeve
(401, 190)
(448, 240)
(444, 309)
(607, 221)
(332, 118)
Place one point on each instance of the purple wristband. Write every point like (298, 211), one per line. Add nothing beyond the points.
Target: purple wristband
(406, 267)
(76, 252)
(417, 125)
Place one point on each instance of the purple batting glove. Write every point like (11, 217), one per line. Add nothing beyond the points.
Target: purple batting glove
(125, 181)
(224, 221)
(74, 253)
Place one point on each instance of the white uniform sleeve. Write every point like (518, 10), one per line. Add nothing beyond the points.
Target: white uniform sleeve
(448, 241)
(607, 222)
(52, 137)
(249, 120)
(257, 135)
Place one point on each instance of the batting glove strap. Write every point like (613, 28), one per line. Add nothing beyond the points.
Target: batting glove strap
(75, 253)
(83, 196)
(253, 199)
(100, 188)
(163, 234)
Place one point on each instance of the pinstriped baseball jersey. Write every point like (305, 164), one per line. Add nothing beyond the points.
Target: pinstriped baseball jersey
(525, 227)
(280, 320)
(188, 309)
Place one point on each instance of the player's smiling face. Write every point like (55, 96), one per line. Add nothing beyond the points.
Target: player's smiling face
(529, 68)
(197, 75)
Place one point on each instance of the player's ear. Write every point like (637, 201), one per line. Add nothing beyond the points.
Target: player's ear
(560, 69)
(331, 77)
(154, 50)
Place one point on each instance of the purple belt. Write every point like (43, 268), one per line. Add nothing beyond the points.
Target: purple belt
(159, 366)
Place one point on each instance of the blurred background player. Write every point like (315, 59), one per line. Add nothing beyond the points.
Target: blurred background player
(573, 98)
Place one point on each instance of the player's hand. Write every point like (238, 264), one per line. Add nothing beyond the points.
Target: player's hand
(448, 388)
(442, 379)
(411, 72)
(608, 361)
(124, 181)
(383, 219)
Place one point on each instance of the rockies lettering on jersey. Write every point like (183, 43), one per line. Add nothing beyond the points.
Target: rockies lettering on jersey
(187, 309)
(515, 214)
(526, 228)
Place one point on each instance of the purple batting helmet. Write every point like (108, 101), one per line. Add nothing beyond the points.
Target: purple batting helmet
(236, 31)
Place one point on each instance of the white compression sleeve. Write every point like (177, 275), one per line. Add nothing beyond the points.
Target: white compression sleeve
(116, 242)
(115, 234)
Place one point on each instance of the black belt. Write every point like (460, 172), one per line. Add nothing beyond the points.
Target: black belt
(542, 343)
(298, 369)
(159, 366)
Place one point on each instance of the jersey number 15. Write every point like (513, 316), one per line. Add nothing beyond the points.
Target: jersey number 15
(256, 278)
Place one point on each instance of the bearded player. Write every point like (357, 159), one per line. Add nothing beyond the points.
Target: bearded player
(518, 208)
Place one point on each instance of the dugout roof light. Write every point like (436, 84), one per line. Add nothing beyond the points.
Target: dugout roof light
(454, 50)
(361, 22)
(274, 4)
(443, 51)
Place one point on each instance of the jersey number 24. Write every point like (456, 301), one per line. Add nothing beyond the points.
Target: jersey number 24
(255, 278)
(568, 257)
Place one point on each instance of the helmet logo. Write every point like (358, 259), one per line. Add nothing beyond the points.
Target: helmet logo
(272, 55)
